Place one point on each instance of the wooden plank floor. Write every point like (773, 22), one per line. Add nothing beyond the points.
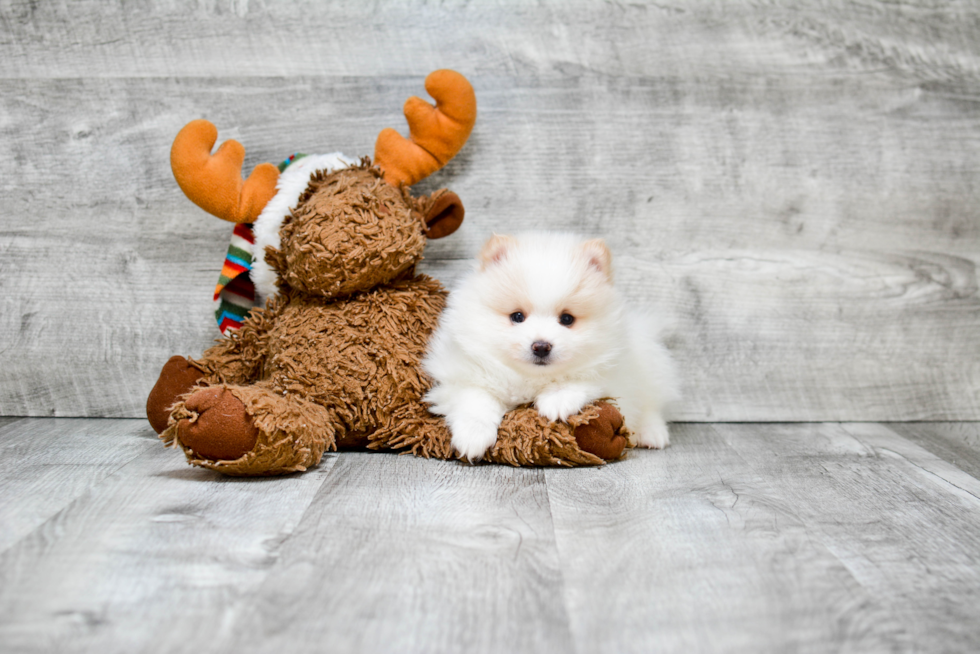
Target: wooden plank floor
(739, 537)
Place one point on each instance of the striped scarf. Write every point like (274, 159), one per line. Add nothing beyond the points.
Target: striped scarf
(234, 295)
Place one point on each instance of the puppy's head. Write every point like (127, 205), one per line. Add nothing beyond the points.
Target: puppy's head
(547, 305)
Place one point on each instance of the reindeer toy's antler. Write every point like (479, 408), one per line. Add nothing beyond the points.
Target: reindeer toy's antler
(214, 182)
(437, 133)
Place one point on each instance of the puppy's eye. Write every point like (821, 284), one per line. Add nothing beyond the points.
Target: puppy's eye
(566, 319)
(517, 316)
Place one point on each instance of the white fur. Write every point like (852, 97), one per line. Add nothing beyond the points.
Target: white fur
(292, 182)
(483, 365)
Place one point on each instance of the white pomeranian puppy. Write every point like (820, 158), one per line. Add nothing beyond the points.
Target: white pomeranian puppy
(539, 320)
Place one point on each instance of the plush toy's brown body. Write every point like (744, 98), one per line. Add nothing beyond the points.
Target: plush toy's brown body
(334, 359)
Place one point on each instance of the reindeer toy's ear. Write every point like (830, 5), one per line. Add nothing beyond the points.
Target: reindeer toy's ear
(444, 213)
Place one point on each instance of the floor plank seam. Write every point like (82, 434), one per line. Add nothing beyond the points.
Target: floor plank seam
(75, 501)
(565, 599)
(815, 534)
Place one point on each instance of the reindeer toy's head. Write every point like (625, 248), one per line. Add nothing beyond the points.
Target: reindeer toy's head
(328, 225)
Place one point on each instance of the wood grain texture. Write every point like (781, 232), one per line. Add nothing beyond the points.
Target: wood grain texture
(737, 538)
(792, 187)
(184, 38)
(398, 554)
(691, 550)
(955, 442)
(904, 522)
(154, 556)
(47, 464)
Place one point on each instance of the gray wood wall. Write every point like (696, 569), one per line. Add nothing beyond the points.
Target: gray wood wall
(795, 186)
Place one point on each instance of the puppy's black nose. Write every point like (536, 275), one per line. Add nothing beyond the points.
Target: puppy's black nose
(541, 348)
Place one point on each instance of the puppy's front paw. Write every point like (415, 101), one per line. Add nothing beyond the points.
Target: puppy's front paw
(472, 439)
(561, 403)
(653, 434)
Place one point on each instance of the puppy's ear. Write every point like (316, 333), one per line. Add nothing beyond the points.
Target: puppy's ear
(598, 256)
(495, 250)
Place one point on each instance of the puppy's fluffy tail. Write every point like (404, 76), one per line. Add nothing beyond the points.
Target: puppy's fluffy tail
(653, 367)
(648, 386)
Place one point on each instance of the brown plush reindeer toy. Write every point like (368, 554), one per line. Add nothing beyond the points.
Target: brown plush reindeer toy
(333, 359)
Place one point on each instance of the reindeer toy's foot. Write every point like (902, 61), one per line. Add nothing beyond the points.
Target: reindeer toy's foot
(605, 435)
(250, 430)
(177, 378)
(216, 425)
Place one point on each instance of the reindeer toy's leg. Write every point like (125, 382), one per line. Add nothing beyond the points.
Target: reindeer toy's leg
(252, 430)
(236, 359)
(525, 438)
